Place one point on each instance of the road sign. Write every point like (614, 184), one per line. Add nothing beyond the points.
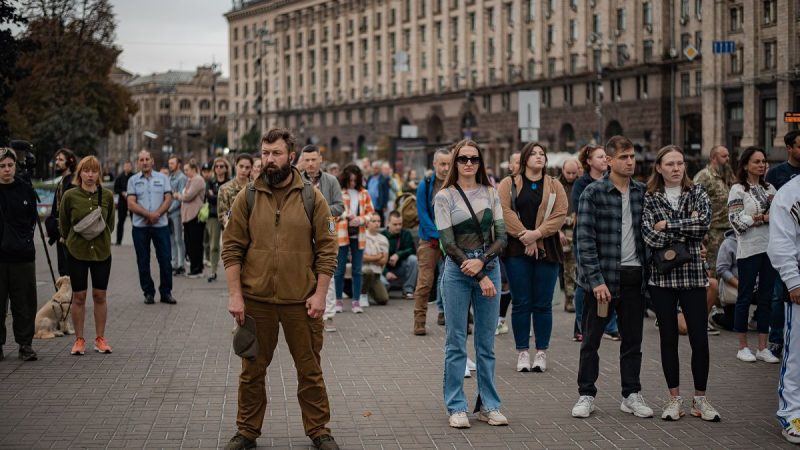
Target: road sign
(690, 52)
(722, 47)
(791, 117)
(529, 134)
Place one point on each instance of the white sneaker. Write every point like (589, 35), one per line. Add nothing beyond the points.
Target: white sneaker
(702, 409)
(745, 355)
(494, 418)
(339, 306)
(540, 362)
(467, 373)
(792, 434)
(363, 300)
(524, 362)
(502, 328)
(459, 420)
(471, 364)
(634, 404)
(767, 356)
(584, 408)
(673, 410)
(329, 326)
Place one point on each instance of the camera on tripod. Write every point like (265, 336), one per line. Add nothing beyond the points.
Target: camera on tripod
(26, 158)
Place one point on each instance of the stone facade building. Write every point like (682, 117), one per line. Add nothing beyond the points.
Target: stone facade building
(179, 108)
(349, 74)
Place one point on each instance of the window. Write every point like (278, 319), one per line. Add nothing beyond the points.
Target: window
(648, 50)
(770, 54)
(490, 49)
(422, 10)
(573, 63)
(531, 40)
(437, 27)
(647, 13)
(422, 33)
(595, 23)
(378, 20)
(392, 17)
(737, 62)
(769, 126)
(698, 40)
(423, 60)
(573, 30)
(505, 101)
(472, 52)
(440, 83)
(509, 14)
(568, 94)
(235, 34)
(620, 19)
(531, 68)
(597, 55)
(622, 52)
(684, 8)
(164, 103)
(770, 12)
(472, 22)
(492, 75)
(686, 39)
(550, 36)
(490, 17)
(530, 9)
(546, 96)
(424, 85)
(641, 87)
(551, 66)
(685, 92)
(406, 39)
(439, 58)
(698, 83)
(406, 14)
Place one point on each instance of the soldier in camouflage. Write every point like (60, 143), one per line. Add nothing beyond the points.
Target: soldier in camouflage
(569, 173)
(716, 179)
(229, 190)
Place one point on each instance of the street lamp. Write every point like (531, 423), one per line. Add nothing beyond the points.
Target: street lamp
(596, 43)
(263, 40)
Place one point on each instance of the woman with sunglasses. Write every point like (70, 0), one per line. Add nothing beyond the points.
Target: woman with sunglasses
(472, 233)
(748, 212)
(675, 218)
(534, 209)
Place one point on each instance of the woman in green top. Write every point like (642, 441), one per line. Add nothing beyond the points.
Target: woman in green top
(86, 255)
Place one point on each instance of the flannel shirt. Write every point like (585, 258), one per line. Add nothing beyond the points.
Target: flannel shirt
(599, 233)
(681, 227)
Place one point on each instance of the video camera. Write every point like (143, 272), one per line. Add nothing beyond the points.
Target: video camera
(26, 159)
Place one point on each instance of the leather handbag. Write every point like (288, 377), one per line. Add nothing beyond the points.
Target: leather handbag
(672, 256)
(93, 224)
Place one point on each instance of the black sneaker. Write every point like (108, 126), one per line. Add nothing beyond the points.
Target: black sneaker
(169, 299)
(325, 442)
(239, 442)
(212, 278)
(26, 353)
(776, 349)
(178, 272)
(149, 299)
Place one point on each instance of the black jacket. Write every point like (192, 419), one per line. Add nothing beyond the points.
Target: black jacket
(63, 186)
(18, 218)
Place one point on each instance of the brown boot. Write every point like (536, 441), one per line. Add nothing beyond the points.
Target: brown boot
(569, 305)
(419, 328)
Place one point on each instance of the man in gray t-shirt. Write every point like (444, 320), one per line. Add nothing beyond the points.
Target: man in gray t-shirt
(629, 257)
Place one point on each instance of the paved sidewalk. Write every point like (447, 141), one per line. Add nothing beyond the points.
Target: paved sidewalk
(172, 383)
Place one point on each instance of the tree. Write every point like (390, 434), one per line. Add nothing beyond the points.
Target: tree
(68, 99)
(10, 73)
(250, 140)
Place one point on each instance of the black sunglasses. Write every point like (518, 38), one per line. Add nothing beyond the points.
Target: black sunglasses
(475, 160)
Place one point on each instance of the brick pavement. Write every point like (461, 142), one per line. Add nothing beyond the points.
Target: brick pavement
(171, 383)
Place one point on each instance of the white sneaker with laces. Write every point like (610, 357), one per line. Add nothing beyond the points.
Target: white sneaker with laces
(634, 404)
(467, 373)
(524, 362)
(539, 362)
(459, 420)
(339, 307)
(702, 408)
(745, 355)
(673, 410)
(767, 356)
(494, 418)
(502, 328)
(584, 407)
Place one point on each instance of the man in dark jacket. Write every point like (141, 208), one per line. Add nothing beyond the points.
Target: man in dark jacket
(401, 269)
(121, 189)
(65, 162)
(17, 255)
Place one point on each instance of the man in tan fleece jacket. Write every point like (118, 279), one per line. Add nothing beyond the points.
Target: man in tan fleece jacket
(278, 267)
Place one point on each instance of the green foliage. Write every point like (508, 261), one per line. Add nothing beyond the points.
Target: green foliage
(250, 140)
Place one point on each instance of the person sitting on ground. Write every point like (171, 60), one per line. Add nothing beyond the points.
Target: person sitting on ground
(728, 273)
(376, 254)
(401, 269)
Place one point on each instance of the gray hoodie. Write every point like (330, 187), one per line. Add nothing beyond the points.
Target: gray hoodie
(726, 258)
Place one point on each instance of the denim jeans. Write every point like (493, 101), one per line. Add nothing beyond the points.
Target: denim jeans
(406, 273)
(750, 268)
(532, 284)
(355, 263)
(778, 315)
(459, 292)
(580, 294)
(177, 249)
(160, 237)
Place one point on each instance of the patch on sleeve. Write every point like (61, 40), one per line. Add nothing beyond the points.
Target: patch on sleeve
(331, 226)
(795, 211)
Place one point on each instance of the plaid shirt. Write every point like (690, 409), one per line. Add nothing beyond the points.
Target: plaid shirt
(599, 233)
(681, 227)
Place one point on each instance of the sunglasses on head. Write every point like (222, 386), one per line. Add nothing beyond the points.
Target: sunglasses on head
(475, 160)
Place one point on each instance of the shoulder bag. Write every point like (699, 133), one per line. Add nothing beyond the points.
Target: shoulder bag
(93, 224)
(674, 255)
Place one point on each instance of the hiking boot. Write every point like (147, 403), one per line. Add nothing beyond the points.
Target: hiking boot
(101, 346)
(26, 353)
(584, 407)
(459, 420)
(239, 442)
(440, 319)
(79, 347)
(419, 329)
(702, 408)
(673, 410)
(325, 442)
(494, 418)
(569, 305)
(634, 404)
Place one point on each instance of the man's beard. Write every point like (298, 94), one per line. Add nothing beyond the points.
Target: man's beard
(60, 171)
(277, 176)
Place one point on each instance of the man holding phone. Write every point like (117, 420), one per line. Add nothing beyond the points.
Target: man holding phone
(611, 252)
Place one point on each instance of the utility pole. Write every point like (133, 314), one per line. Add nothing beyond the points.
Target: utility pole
(262, 35)
(214, 119)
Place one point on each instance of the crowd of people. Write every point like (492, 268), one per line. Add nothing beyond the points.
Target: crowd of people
(297, 241)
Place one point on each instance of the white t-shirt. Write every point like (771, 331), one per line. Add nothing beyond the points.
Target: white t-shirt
(354, 197)
(376, 243)
(673, 195)
(629, 256)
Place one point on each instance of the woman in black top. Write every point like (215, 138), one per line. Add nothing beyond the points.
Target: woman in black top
(222, 173)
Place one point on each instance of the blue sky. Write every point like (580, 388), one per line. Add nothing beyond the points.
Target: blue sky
(161, 35)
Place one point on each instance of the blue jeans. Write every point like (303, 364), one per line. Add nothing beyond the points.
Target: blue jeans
(459, 292)
(778, 316)
(532, 284)
(142, 236)
(750, 268)
(355, 265)
(177, 248)
(580, 294)
(406, 272)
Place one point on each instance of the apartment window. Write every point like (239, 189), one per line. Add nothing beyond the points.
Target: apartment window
(392, 41)
(487, 103)
(490, 17)
(325, 34)
(551, 6)
(378, 17)
(406, 14)
(698, 40)
(406, 39)
(684, 8)
(350, 27)
(490, 49)
(236, 52)
(737, 62)
(454, 27)
(235, 34)
(509, 14)
(352, 70)
(377, 43)
(573, 30)
(350, 50)
(621, 54)
(531, 40)
(337, 53)
(568, 94)
(423, 60)
(573, 63)
(437, 27)
(492, 75)
(698, 83)
(437, 7)
(573, 4)
(770, 12)
(439, 58)
(550, 35)
(422, 33)
(337, 31)
(422, 4)
(770, 54)
(546, 96)
(392, 16)
(509, 44)
(531, 68)
(686, 39)
(698, 7)
(472, 52)
(551, 67)
(312, 58)
(647, 13)
(505, 101)
(312, 36)
(408, 86)
(424, 85)
(364, 47)
(641, 87)
(440, 83)
(597, 55)
(595, 23)
(530, 9)
(620, 19)
(770, 122)
(363, 27)
(365, 70)
(379, 68)
(685, 81)
(472, 22)
(616, 90)
(648, 50)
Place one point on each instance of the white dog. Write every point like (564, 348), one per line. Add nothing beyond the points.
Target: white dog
(54, 317)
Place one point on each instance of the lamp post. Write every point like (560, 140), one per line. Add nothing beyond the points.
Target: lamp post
(596, 43)
(262, 40)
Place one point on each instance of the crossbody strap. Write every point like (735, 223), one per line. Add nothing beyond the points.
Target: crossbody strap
(514, 195)
(472, 213)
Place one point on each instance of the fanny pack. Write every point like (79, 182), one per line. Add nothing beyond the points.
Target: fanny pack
(93, 224)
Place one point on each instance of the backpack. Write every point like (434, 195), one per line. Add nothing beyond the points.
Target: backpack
(407, 207)
(308, 202)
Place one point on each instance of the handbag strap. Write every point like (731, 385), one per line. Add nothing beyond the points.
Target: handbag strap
(514, 195)
(472, 213)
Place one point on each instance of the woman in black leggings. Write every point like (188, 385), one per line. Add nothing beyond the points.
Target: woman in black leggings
(676, 216)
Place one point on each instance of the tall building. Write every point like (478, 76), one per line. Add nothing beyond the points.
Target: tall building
(356, 75)
(176, 113)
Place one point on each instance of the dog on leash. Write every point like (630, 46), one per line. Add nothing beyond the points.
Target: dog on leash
(53, 320)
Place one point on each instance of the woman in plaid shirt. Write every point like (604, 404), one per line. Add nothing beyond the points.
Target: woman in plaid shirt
(677, 210)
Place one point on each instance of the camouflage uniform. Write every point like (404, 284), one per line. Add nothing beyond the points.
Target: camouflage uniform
(569, 255)
(227, 193)
(717, 188)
